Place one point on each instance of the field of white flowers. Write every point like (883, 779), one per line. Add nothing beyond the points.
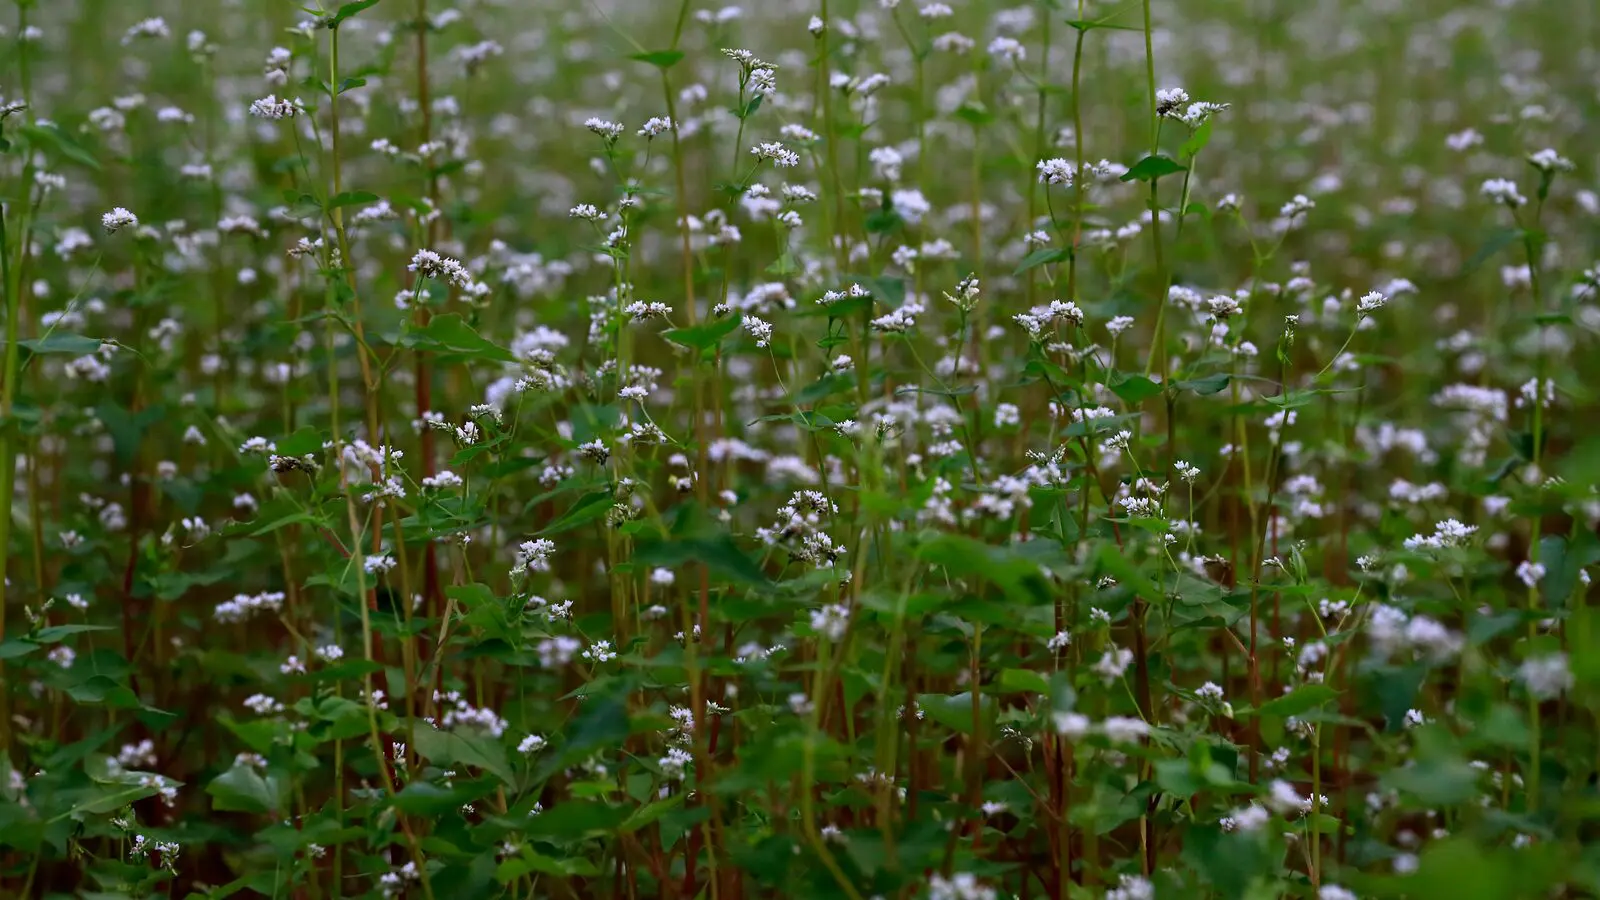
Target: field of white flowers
(1096, 449)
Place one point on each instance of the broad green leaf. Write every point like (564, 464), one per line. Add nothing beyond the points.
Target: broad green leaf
(58, 342)
(1207, 385)
(1090, 25)
(590, 507)
(53, 140)
(450, 334)
(1023, 680)
(1152, 167)
(352, 198)
(1196, 142)
(1301, 700)
(304, 440)
(529, 861)
(964, 557)
(53, 633)
(242, 789)
(424, 798)
(1040, 257)
(1497, 241)
(100, 689)
(661, 59)
(466, 748)
(954, 711)
(697, 539)
(1110, 559)
(348, 10)
(1133, 389)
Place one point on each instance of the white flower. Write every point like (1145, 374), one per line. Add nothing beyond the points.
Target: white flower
(270, 107)
(759, 328)
(1070, 724)
(118, 219)
(1545, 676)
(1249, 819)
(831, 621)
(655, 126)
(1548, 161)
(1502, 190)
(1008, 49)
(1371, 302)
(1124, 729)
(1529, 572)
(777, 153)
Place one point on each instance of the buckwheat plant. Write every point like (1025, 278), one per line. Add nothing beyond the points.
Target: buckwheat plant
(900, 449)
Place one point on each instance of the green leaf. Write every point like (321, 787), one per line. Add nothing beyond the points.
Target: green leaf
(55, 633)
(954, 711)
(284, 522)
(1196, 142)
(883, 220)
(590, 506)
(14, 648)
(1133, 389)
(661, 59)
(450, 334)
(703, 337)
(695, 538)
(350, 84)
(348, 10)
(1023, 680)
(304, 440)
(975, 114)
(1110, 559)
(1300, 700)
(1497, 240)
(101, 689)
(1206, 386)
(1090, 25)
(425, 798)
(1004, 567)
(352, 198)
(531, 862)
(1565, 562)
(241, 789)
(1040, 257)
(1437, 782)
(53, 139)
(464, 748)
(1152, 167)
(73, 344)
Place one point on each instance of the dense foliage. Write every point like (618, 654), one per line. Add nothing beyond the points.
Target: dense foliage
(830, 449)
